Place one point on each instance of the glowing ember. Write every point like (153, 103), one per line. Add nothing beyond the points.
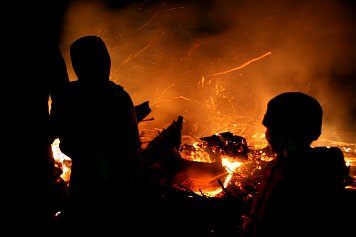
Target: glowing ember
(240, 166)
(236, 173)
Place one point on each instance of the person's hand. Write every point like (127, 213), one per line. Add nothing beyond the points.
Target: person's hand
(142, 110)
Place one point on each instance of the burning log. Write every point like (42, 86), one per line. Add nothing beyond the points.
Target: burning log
(208, 161)
(218, 146)
(161, 156)
(169, 165)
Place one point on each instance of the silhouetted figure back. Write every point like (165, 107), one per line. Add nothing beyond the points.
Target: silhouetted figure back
(99, 132)
(29, 63)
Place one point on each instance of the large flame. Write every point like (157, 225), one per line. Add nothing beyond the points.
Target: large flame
(63, 160)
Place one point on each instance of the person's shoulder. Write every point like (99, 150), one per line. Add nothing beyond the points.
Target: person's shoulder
(118, 89)
(73, 85)
(115, 85)
(331, 166)
(332, 152)
(73, 89)
(329, 158)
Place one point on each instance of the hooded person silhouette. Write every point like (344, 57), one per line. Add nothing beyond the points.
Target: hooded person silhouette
(98, 129)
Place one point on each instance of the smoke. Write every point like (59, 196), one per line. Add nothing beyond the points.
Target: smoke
(177, 55)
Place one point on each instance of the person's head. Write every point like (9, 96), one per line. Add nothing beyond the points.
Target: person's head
(90, 59)
(292, 117)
